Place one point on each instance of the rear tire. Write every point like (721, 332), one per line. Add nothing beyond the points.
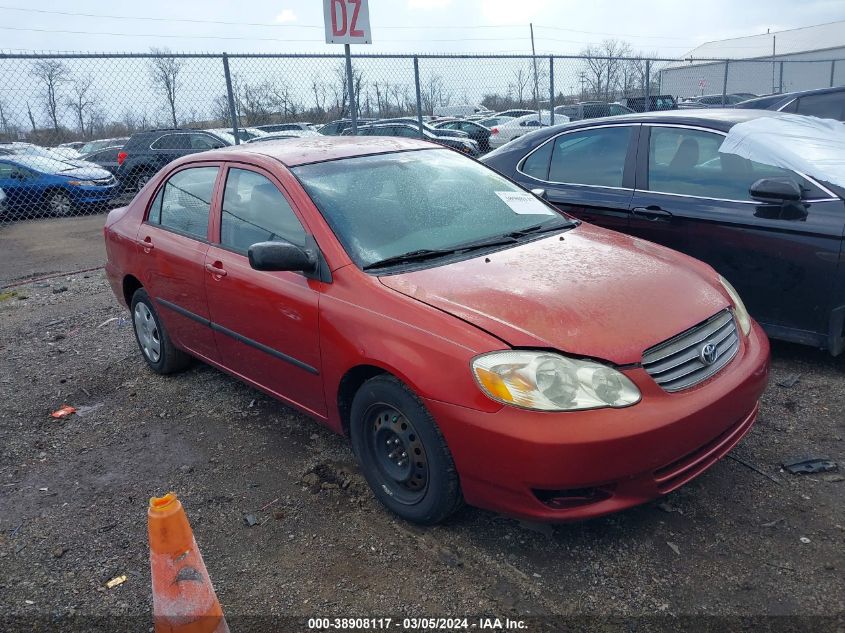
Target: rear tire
(156, 347)
(142, 179)
(402, 453)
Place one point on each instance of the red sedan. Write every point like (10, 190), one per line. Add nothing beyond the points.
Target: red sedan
(474, 343)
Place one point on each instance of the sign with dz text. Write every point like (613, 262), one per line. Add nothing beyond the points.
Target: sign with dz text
(347, 22)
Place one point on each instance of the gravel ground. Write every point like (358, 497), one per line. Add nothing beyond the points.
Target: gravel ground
(744, 539)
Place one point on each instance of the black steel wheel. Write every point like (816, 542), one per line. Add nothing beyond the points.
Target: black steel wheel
(402, 453)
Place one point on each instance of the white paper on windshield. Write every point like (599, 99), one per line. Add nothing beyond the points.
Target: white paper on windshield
(809, 145)
(524, 203)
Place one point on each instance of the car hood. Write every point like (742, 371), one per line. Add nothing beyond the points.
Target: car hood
(85, 171)
(593, 293)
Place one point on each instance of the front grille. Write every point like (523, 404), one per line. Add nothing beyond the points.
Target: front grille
(680, 362)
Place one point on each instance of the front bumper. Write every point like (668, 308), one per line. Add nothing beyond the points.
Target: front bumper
(515, 461)
(93, 195)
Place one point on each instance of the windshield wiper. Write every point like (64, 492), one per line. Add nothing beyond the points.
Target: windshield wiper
(497, 240)
(412, 256)
(540, 228)
(430, 253)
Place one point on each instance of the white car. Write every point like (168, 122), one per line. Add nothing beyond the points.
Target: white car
(2, 202)
(509, 130)
(277, 136)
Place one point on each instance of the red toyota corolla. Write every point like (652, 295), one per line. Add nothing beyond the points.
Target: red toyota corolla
(473, 343)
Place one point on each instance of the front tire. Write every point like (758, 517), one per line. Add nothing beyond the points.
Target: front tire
(59, 203)
(402, 453)
(156, 348)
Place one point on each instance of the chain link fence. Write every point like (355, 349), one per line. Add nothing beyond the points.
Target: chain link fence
(64, 119)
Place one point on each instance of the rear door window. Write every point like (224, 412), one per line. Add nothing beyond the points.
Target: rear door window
(184, 202)
(171, 142)
(591, 157)
(824, 106)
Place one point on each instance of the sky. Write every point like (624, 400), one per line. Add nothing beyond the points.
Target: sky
(667, 28)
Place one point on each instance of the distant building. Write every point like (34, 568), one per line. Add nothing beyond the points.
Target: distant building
(783, 61)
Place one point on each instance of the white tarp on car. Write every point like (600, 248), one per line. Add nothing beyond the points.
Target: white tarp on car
(809, 145)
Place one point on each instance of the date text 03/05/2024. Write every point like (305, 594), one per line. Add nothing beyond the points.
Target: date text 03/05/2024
(411, 624)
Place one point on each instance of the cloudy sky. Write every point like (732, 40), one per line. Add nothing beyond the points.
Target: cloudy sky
(666, 27)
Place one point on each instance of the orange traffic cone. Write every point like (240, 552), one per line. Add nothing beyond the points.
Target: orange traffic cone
(183, 598)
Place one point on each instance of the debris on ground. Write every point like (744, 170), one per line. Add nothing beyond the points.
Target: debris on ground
(804, 540)
(756, 469)
(809, 465)
(250, 520)
(88, 409)
(790, 381)
(674, 548)
(62, 412)
(117, 580)
(59, 289)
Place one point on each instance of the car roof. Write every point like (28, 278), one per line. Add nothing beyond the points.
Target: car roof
(316, 149)
(717, 118)
(789, 96)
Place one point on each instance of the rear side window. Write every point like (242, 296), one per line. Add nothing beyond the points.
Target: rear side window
(254, 210)
(537, 164)
(184, 202)
(592, 157)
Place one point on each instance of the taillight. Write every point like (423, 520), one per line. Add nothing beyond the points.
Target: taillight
(121, 156)
(495, 130)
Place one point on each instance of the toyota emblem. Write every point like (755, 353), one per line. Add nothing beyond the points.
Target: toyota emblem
(709, 354)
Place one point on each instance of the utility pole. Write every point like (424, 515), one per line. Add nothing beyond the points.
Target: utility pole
(536, 81)
(774, 52)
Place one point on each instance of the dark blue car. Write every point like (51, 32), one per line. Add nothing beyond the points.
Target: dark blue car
(46, 185)
(775, 233)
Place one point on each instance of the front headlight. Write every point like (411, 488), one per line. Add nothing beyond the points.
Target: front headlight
(739, 307)
(550, 382)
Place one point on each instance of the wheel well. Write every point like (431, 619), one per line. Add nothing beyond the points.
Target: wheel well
(349, 385)
(130, 285)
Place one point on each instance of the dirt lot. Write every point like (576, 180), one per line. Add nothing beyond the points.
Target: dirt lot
(744, 539)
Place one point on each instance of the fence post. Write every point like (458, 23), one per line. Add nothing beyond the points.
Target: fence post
(725, 84)
(419, 96)
(780, 78)
(551, 90)
(233, 115)
(832, 71)
(647, 100)
(350, 81)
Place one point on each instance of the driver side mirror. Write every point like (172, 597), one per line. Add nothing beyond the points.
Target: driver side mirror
(281, 255)
(775, 190)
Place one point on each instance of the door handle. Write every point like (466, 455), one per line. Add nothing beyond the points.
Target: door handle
(215, 270)
(146, 244)
(652, 212)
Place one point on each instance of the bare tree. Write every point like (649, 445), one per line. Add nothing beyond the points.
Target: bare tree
(433, 93)
(164, 73)
(605, 67)
(81, 100)
(4, 122)
(318, 88)
(31, 119)
(52, 74)
(519, 85)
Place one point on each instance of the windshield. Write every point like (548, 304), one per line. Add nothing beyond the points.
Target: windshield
(388, 205)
